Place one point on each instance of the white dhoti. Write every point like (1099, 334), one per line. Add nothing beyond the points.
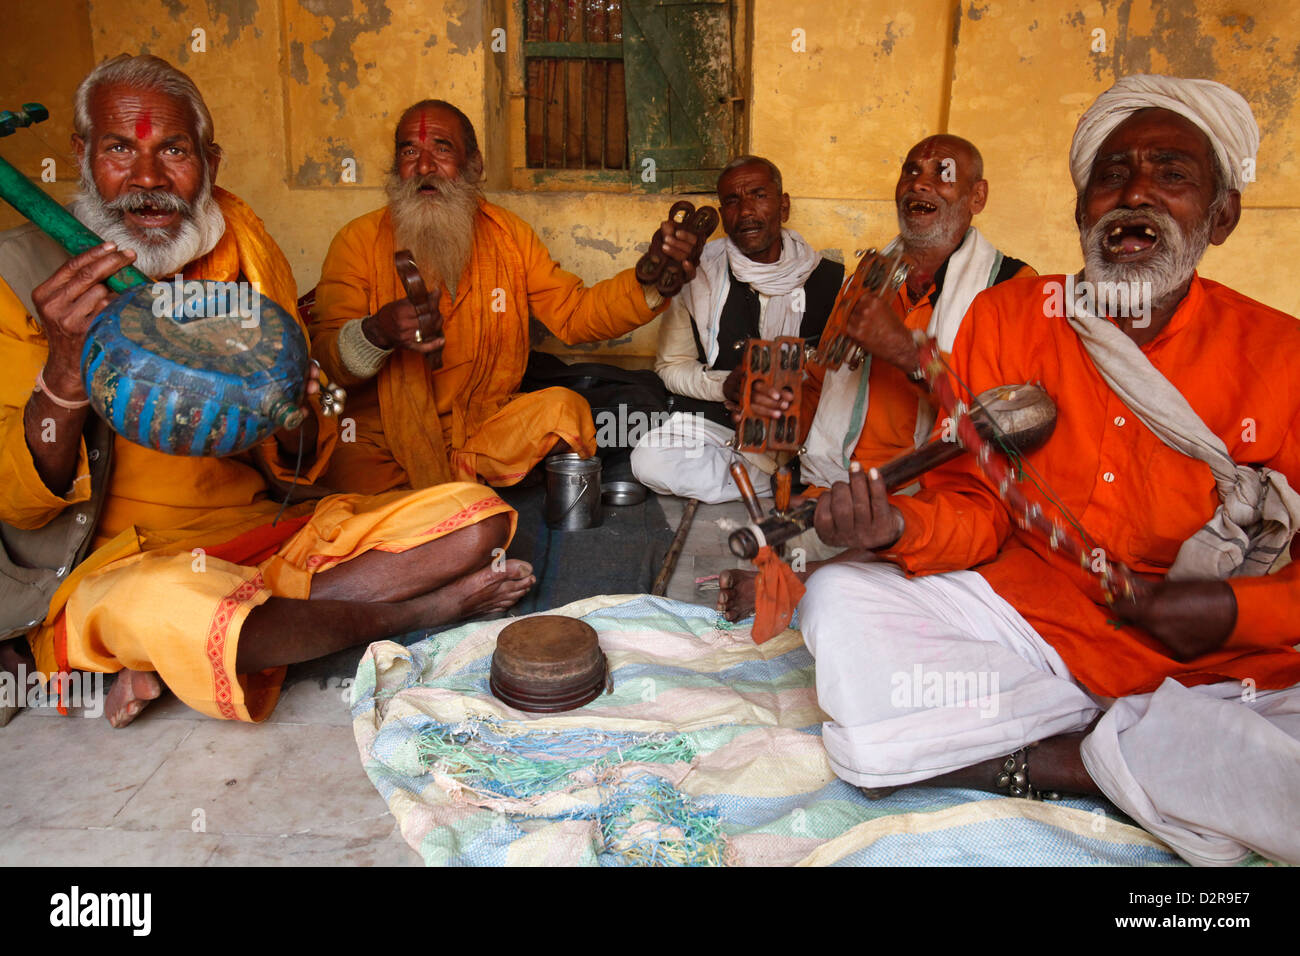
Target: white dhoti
(927, 675)
(689, 456)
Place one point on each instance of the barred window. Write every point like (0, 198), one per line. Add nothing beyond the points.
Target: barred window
(639, 91)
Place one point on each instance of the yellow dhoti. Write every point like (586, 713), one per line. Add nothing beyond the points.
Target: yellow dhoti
(179, 610)
(504, 448)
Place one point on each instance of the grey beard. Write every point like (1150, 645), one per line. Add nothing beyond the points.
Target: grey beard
(157, 254)
(437, 229)
(946, 231)
(1164, 274)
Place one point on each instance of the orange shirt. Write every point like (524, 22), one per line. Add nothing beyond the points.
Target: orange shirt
(1234, 360)
(890, 426)
(510, 277)
(149, 492)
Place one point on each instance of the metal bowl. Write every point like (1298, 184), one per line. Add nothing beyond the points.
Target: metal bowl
(616, 494)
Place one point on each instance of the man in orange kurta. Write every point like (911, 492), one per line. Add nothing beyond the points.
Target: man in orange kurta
(428, 409)
(940, 189)
(181, 569)
(882, 409)
(1182, 704)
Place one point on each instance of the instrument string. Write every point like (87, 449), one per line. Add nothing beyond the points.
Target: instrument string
(1024, 469)
(297, 468)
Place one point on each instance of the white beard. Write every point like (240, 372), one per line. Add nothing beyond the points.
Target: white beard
(157, 254)
(438, 229)
(1164, 274)
(945, 232)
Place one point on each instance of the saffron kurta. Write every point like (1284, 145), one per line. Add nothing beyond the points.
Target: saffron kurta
(890, 425)
(416, 426)
(145, 598)
(1234, 360)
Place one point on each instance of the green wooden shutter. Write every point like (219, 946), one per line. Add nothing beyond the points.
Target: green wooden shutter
(678, 63)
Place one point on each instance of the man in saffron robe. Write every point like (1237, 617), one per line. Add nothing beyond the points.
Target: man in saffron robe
(417, 425)
(119, 558)
(1175, 448)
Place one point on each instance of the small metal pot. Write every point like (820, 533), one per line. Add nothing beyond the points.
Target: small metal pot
(572, 492)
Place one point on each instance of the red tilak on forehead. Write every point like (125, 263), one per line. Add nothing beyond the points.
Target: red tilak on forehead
(143, 126)
(424, 128)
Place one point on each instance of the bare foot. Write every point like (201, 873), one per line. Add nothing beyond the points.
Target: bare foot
(736, 587)
(736, 593)
(480, 592)
(879, 793)
(129, 695)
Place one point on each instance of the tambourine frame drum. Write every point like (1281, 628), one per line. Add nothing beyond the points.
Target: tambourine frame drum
(548, 664)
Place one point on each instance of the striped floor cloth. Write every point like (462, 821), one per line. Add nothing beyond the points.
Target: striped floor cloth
(708, 751)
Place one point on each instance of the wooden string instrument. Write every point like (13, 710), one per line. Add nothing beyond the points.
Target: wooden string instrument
(1019, 416)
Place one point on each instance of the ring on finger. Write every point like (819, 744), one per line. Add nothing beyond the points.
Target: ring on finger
(419, 337)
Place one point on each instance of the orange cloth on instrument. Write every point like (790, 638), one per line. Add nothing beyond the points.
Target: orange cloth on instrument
(891, 398)
(416, 426)
(1233, 359)
(777, 592)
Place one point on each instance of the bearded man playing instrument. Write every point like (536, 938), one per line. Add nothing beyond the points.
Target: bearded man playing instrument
(881, 410)
(460, 417)
(172, 570)
(1179, 428)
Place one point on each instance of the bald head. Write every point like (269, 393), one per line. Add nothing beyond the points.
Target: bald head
(940, 189)
(963, 152)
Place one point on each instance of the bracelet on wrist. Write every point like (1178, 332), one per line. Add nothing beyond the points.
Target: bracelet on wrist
(57, 400)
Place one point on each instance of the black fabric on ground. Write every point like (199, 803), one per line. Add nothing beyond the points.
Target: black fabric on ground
(628, 396)
(622, 556)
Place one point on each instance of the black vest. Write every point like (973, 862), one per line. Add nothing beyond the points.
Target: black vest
(739, 322)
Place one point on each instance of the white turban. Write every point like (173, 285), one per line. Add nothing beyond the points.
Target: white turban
(1221, 113)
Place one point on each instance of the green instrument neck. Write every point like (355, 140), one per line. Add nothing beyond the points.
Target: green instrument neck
(57, 223)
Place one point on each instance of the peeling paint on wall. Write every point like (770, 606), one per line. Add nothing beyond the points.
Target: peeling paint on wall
(238, 13)
(335, 48)
(297, 62)
(312, 172)
(1183, 41)
(583, 237)
(890, 38)
(464, 33)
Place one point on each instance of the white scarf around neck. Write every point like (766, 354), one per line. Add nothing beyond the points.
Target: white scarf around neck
(705, 295)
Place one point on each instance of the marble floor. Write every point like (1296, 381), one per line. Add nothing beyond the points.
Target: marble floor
(177, 788)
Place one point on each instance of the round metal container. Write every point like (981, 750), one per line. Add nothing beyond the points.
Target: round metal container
(548, 664)
(619, 494)
(572, 492)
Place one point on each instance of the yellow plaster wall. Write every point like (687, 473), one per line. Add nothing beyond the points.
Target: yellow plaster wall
(28, 73)
(298, 87)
